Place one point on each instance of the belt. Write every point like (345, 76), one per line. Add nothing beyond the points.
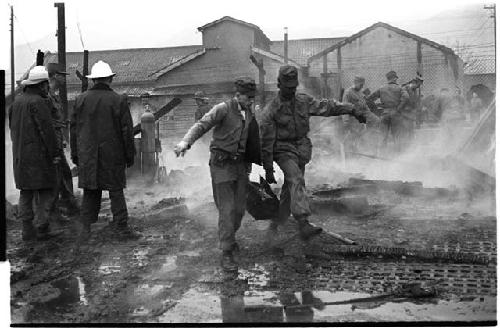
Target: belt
(223, 156)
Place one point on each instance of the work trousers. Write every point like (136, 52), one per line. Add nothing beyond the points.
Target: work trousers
(293, 198)
(64, 185)
(35, 203)
(230, 199)
(91, 205)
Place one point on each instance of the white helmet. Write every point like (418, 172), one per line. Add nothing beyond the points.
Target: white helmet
(36, 75)
(100, 69)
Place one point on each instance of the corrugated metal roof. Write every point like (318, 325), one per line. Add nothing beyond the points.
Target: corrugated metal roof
(130, 65)
(480, 66)
(300, 50)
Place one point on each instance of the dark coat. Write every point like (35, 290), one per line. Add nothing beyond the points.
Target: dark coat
(34, 144)
(102, 140)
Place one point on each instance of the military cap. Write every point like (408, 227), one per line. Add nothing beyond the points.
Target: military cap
(200, 95)
(359, 79)
(391, 75)
(55, 68)
(246, 86)
(288, 76)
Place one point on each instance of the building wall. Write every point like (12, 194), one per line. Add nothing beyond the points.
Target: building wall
(381, 50)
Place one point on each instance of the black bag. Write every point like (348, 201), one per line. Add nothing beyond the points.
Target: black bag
(262, 203)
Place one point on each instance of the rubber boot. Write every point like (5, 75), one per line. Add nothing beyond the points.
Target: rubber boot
(29, 231)
(83, 229)
(124, 231)
(43, 232)
(227, 262)
(307, 230)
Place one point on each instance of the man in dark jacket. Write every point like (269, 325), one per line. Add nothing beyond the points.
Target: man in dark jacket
(102, 145)
(64, 188)
(34, 153)
(284, 126)
(393, 98)
(235, 145)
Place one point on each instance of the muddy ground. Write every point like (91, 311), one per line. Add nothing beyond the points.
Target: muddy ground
(172, 274)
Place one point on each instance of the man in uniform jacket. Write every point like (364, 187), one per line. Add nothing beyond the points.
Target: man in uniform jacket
(64, 187)
(34, 153)
(284, 126)
(102, 146)
(235, 146)
(393, 98)
(410, 110)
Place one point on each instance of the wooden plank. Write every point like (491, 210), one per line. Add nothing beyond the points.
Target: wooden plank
(161, 112)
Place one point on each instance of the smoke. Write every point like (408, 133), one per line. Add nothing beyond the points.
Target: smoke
(421, 160)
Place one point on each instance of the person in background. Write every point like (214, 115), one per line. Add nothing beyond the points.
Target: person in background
(393, 98)
(476, 105)
(355, 130)
(235, 146)
(34, 153)
(409, 113)
(202, 103)
(102, 146)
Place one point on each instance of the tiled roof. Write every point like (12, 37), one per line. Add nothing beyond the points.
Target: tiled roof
(300, 50)
(484, 65)
(130, 65)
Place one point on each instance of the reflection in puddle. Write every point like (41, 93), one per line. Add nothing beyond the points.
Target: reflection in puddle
(81, 290)
(200, 306)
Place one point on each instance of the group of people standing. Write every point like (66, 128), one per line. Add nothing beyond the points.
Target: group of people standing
(102, 146)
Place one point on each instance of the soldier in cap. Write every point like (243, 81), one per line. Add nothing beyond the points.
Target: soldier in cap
(284, 124)
(34, 153)
(408, 115)
(235, 145)
(202, 105)
(64, 188)
(102, 146)
(354, 95)
(393, 98)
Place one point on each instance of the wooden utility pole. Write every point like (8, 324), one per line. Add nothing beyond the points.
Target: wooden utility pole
(12, 68)
(85, 82)
(61, 54)
(285, 45)
(494, 16)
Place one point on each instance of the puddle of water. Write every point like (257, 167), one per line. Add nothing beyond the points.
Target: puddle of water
(110, 266)
(265, 306)
(189, 253)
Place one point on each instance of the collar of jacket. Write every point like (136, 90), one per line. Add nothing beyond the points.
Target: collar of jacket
(248, 110)
(101, 86)
(35, 91)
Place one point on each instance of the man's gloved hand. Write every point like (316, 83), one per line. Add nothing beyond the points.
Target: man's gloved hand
(270, 177)
(181, 148)
(56, 160)
(359, 114)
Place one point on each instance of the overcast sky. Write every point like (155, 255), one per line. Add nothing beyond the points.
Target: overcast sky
(106, 24)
